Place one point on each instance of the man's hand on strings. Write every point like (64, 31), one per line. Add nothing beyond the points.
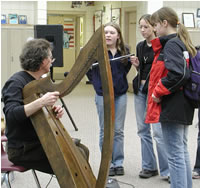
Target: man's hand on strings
(49, 98)
(58, 111)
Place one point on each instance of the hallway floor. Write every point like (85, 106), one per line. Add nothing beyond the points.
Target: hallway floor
(81, 106)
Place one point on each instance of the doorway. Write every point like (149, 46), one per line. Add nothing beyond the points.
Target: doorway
(71, 41)
(130, 39)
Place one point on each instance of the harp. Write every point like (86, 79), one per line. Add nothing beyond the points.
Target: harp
(69, 166)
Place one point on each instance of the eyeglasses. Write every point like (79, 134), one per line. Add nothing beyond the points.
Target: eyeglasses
(52, 59)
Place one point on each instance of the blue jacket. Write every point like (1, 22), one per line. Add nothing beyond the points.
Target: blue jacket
(119, 72)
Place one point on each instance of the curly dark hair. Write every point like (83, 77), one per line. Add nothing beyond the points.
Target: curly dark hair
(33, 54)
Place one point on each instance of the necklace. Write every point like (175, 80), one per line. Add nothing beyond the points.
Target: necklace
(149, 44)
(145, 59)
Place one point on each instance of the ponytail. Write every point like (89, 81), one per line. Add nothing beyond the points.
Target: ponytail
(183, 34)
(167, 13)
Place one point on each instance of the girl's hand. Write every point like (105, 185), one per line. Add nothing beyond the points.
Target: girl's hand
(155, 99)
(134, 61)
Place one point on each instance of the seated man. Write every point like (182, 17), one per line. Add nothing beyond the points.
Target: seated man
(24, 147)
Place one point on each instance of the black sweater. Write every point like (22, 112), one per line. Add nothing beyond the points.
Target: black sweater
(145, 56)
(19, 128)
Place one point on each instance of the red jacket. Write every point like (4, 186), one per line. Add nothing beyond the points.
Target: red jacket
(168, 74)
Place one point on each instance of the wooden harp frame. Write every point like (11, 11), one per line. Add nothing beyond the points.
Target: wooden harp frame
(69, 166)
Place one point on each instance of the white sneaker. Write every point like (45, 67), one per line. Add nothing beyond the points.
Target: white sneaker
(195, 175)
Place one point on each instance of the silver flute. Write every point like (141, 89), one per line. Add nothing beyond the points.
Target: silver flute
(117, 58)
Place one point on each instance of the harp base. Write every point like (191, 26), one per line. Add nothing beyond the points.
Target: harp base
(112, 183)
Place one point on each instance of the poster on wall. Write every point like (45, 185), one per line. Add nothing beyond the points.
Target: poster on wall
(68, 36)
(89, 3)
(97, 19)
(106, 18)
(116, 15)
(3, 19)
(22, 19)
(198, 23)
(188, 19)
(13, 18)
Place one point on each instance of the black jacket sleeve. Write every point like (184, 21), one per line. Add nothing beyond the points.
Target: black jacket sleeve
(175, 63)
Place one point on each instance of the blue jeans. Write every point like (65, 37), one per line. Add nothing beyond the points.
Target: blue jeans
(197, 162)
(120, 113)
(175, 139)
(144, 132)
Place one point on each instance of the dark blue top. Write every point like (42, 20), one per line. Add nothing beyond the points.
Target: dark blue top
(119, 72)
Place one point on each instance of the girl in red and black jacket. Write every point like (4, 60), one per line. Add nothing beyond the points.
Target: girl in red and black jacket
(166, 101)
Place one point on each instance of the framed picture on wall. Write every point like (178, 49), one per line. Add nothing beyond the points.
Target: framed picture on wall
(116, 15)
(69, 35)
(22, 19)
(89, 3)
(188, 19)
(3, 19)
(198, 23)
(13, 18)
(198, 12)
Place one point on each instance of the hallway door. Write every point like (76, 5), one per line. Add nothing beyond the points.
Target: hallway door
(69, 41)
(132, 31)
(130, 38)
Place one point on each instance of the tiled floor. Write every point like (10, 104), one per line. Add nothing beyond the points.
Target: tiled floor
(81, 106)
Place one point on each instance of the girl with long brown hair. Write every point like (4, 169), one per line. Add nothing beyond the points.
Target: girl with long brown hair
(120, 69)
(166, 100)
(143, 62)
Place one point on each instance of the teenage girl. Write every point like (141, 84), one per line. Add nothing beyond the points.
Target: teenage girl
(143, 62)
(166, 101)
(120, 69)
